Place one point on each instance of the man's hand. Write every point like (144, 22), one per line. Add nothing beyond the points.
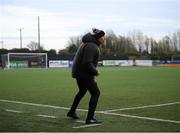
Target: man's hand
(98, 73)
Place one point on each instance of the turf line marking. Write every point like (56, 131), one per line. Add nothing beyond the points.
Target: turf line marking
(100, 112)
(39, 105)
(143, 118)
(87, 125)
(80, 121)
(46, 116)
(13, 111)
(142, 107)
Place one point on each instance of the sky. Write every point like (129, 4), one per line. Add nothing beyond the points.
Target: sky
(62, 19)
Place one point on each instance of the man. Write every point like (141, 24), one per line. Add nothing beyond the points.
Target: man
(84, 71)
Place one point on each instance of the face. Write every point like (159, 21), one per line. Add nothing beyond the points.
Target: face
(102, 40)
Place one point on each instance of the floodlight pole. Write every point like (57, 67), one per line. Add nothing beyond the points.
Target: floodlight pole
(20, 29)
(39, 33)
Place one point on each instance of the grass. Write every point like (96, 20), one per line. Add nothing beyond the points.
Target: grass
(121, 87)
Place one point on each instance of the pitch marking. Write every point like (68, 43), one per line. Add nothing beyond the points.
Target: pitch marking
(46, 116)
(143, 118)
(13, 111)
(142, 107)
(104, 112)
(87, 125)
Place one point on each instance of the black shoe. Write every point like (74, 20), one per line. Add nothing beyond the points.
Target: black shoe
(93, 121)
(72, 115)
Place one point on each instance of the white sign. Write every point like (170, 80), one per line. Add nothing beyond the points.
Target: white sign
(109, 63)
(58, 63)
(125, 62)
(143, 62)
(117, 63)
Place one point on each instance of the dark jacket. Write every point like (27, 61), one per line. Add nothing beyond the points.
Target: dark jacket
(86, 58)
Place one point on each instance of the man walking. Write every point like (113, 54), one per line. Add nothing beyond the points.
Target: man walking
(84, 71)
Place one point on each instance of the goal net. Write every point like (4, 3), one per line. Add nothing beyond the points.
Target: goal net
(24, 60)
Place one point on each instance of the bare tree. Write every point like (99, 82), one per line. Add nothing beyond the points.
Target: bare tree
(176, 40)
(34, 46)
(73, 44)
(147, 44)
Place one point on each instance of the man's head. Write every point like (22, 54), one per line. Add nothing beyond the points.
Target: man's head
(99, 35)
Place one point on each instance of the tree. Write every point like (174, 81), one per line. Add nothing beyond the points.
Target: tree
(165, 45)
(153, 45)
(134, 44)
(72, 48)
(51, 53)
(147, 45)
(63, 52)
(73, 44)
(3, 51)
(34, 46)
(137, 38)
(17, 50)
(176, 40)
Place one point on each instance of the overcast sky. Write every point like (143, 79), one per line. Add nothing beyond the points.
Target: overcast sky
(62, 19)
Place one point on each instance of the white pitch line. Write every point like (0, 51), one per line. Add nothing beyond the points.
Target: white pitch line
(80, 121)
(143, 118)
(14, 111)
(87, 125)
(46, 116)
(39, 105)
(142, 107)
(100, 112)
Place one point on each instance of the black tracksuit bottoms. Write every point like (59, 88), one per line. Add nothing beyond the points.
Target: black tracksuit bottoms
(86, 84)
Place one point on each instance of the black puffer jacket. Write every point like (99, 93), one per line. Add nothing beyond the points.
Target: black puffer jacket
(86, 58)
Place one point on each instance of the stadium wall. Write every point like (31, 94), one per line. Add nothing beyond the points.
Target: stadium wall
(117, 63)
(173, 63)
